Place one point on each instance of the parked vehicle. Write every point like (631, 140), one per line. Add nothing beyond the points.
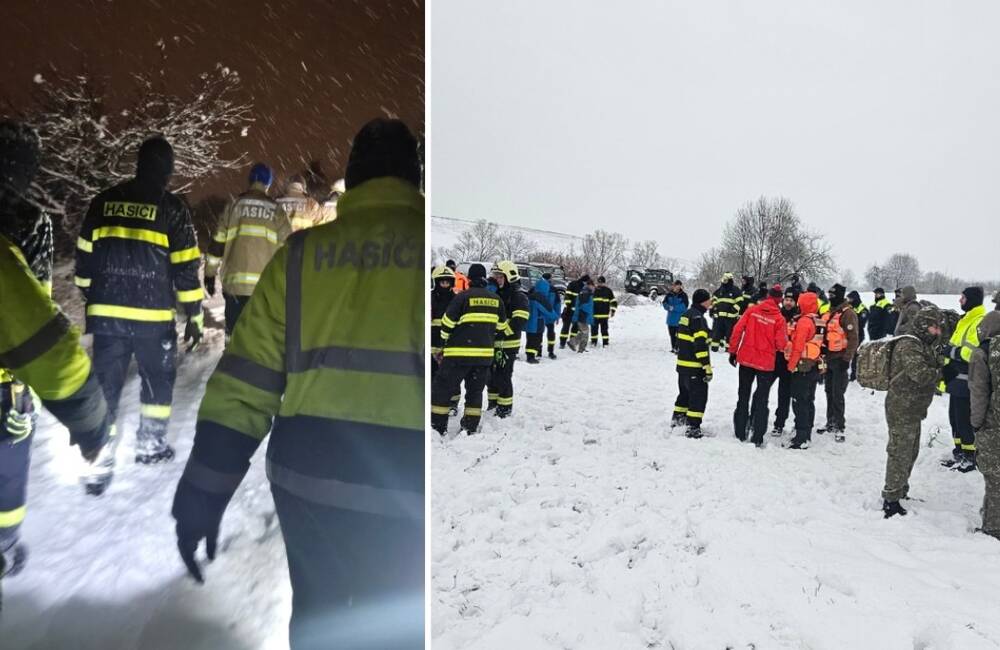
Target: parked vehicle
(648, 282)
(558, 281)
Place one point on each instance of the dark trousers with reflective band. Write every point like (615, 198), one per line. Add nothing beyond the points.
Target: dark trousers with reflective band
(692, 398)
(357, 578)
(447, 383)
(234, 307)
(722, 327)
(156, 358)
(550, 336)
(784, 379)
(568, 327)
(744, 416)
(835, 384)
(960, 417)
(600, 330)
(15, 460)
(673, 336)
(533, 345)
(434, 368)
(803, 394)
(501, 384)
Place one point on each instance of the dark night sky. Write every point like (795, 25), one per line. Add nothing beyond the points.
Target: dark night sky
(315, 70)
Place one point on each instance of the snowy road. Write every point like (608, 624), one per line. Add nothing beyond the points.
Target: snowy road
(104, 574)
(582, 522)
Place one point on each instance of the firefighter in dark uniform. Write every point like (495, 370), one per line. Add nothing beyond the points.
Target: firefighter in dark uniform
(569, 305)
(605, 306)
(725, 311)
(441, 296)
(137, 256)
(500, 389)
(694, 367)
(328, 360)
(469, 328)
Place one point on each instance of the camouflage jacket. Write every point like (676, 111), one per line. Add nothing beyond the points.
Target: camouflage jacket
(916, 370)
(984, 365)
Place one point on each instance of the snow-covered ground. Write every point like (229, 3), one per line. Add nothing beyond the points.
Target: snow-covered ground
(584, 522)
(104, 574)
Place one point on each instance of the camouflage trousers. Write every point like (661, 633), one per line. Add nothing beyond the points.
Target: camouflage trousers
(988, 461)
(901, 452)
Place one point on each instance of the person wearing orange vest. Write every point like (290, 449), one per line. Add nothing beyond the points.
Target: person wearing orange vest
(804, 363)
(789, 310)
(841, 337)
(461, 280)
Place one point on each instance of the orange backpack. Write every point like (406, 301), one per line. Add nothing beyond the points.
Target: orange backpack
(813, 346)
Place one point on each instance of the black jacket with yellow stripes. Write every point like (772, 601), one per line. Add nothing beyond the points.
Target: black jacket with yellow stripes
(727, 301)
(692, 349)
(137, 256)
(605, 304)
(569, 297)
(471, 325)
(518, 309)
(440, 299)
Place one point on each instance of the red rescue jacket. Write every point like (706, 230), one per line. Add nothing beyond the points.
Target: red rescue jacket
(759, 335)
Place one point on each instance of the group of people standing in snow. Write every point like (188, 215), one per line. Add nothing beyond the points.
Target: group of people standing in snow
(800, 338)
(345, 469)
(476, 332)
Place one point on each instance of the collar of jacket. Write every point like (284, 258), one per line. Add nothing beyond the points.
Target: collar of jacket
(384, 192)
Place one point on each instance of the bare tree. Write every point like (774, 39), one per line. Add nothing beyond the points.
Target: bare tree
(873, 276)
(900, 270)
(86, 148)
(646, 254)
(710, 267)
(603, 253)
(513, 245)
(479, 243)
(848, 279)
(767, 240)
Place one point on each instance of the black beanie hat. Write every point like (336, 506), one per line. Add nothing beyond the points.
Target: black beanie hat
(155, 161)
(477, 272)
(836, 294)
(790, 292)
(585, 278)
(775, 292)
(383, 148)
(18, 157)
(973, 297)
(700, 296)
(880, 290)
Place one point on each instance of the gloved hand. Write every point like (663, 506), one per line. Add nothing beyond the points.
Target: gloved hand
(13, 557)
(210, 285)
(943, 349)
(708, 376)
(732, 360)
(199, 515)
(499, 358)
(194, 331)
(18, 425)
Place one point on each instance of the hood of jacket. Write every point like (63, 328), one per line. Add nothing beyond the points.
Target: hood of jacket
(808, 303)
(543, 287)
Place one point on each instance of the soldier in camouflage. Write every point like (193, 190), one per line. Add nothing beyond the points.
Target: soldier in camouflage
(984, 374)
(916, 369)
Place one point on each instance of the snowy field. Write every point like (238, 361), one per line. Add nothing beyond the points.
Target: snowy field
(584, 522)
(104, 574)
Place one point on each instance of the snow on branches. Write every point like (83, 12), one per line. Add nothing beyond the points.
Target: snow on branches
(86, 146)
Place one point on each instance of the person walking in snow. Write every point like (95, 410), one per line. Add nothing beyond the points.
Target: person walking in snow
(758, 336)
(789, 310)
(543, 311)
(583, 317)
(859, 308)
(964, 339)
(841, 332)
(328, 361)
(569, 306)
(915, 370)
(694, 366)
(300, 209)
(803, 361)
(605, 306)
(551, 337)
(137, 257)
(675, 303)
(505, 281)
(984, 388)
(725, 311)
(251, 230)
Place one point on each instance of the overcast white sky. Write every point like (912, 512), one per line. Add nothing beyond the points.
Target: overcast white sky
(880, 120)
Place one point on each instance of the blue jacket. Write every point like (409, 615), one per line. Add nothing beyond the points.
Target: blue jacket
(584, 307)
(675, 305)
(556, 302)
(542, 310)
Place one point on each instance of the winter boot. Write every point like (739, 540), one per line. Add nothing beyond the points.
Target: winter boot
(956, 456)
(966, 463)
(572, 345)
(838, 436)
(97, 477)
(532, 359)
(491, 405)
(12, 558)
(503, 411)
(777, 431)
(679, 419)
(552, 355)
(151, 441)
(693, 431)
(800, 441)
(758, 441)
(890, 508)
(468, 426)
